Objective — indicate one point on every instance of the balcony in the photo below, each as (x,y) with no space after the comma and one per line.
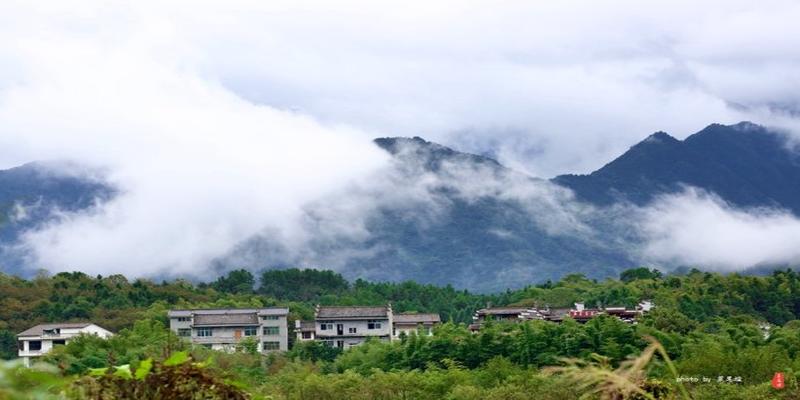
(30,353)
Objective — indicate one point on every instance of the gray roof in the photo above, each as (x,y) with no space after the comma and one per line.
(502,310)
(307,326)
(409,318)
(352,312)
(237,319)
(217,311)
(38,330)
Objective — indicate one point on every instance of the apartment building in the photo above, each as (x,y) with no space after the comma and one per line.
(40,339)
(224,329)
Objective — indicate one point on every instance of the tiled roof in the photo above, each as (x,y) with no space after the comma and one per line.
(502,310)
(307,326)
(352,312)
(38,330)
(226,319)
(416,318)
(216,311)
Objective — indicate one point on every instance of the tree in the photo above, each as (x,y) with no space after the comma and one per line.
(630,275)
(237,281)
(301,285)
(8,345)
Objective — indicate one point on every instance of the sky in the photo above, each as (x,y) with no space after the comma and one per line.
(221,120)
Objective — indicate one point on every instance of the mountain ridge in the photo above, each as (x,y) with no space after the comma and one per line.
(745,164)
(486,233)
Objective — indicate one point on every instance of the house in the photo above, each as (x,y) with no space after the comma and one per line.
(504,314)
(224,329)
(40,339)
(578,313)
(349,326)
(345,327)
(514,314)
(304,330)
(582,314)
(408,323)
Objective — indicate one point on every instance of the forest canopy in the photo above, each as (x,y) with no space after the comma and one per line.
(710,325)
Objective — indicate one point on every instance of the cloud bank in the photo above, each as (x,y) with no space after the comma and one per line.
(700,230)
(199,168)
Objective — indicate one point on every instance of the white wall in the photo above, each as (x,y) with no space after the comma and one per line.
(360,325)
(224,338)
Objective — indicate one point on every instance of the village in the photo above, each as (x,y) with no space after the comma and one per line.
(341,327)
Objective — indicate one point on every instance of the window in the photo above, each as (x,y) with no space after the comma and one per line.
(60,342)
(351,330)
(208,345)
(34,345)
(270,317)
(306,335)
(271,330)
(21,345)
(272,345)
(184,319)
(204,332)
(250,331)
(373,324)
(184,332)
(325,327)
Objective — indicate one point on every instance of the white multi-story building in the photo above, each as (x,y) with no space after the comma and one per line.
(344,327)
(406,324)
(223,329)
(40,339)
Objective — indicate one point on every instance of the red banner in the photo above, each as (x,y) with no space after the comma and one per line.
(777,380)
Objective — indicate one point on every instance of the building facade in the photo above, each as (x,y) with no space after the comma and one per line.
(412,323)
(305,330)
(40,339)
(345,327)
(579,313)
(507,314)
(224,329)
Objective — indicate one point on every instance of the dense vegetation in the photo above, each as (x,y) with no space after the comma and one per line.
(710,326)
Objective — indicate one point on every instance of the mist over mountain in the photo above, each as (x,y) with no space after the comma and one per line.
(34,193)
(438,215)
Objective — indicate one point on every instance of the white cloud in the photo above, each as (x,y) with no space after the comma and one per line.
(199,168)
(697,229)
(222,121)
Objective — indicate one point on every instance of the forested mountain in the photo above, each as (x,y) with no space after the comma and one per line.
(437,215)
(745,164)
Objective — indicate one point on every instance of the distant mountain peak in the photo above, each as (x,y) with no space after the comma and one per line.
(747,126)
(430,153)
(659,137)
(744,163)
